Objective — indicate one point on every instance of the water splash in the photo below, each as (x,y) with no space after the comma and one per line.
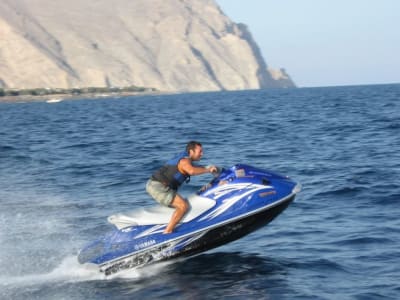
(69,270)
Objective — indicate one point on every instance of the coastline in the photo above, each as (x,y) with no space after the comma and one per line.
(54,98)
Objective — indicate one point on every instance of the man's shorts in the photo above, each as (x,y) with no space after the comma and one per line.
(161,193)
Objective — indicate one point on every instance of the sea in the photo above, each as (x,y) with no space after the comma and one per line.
(65,166)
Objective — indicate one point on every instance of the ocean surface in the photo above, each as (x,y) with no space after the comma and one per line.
(66,166)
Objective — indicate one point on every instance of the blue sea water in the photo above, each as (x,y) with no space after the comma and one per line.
(64,167)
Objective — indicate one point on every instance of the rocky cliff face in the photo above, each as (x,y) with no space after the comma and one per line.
(170,45)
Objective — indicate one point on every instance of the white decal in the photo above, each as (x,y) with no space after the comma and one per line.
(248,189)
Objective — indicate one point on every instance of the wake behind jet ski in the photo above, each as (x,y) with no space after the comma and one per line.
(238,201)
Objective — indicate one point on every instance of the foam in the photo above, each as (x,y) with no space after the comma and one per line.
(70,271)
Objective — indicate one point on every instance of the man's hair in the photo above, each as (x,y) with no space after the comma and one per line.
(192,145)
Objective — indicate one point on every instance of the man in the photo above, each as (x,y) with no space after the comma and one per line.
(164,183)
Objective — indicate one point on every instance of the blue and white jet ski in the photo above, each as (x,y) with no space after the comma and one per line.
(238,201)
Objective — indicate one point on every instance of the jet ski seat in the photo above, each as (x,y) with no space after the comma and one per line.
(160,214)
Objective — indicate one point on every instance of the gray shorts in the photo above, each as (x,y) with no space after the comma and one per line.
(161,193)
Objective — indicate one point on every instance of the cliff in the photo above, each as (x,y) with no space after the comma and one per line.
(174,45)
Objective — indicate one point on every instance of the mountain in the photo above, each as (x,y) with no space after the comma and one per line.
(170,45)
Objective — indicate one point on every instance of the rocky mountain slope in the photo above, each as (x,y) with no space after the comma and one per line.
(170,45)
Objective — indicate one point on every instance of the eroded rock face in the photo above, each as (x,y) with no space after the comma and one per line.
(170,45)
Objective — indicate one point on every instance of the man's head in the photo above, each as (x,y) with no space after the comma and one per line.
(195,150)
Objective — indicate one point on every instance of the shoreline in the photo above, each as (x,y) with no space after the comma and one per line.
(54,98)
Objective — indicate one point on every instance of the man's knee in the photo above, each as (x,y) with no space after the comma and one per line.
(185,206)
(181,204)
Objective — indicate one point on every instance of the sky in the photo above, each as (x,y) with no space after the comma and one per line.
(325,42)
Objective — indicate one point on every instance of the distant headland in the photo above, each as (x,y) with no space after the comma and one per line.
(172,46)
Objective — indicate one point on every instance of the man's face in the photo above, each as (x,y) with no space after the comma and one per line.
(196,153)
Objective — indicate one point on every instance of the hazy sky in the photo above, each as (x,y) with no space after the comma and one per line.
(325,42)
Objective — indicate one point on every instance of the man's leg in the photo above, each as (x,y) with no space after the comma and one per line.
(181,207)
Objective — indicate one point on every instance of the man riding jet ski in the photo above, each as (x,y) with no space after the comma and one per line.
(164,183)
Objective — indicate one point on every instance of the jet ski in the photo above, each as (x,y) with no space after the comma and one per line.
(236,202)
